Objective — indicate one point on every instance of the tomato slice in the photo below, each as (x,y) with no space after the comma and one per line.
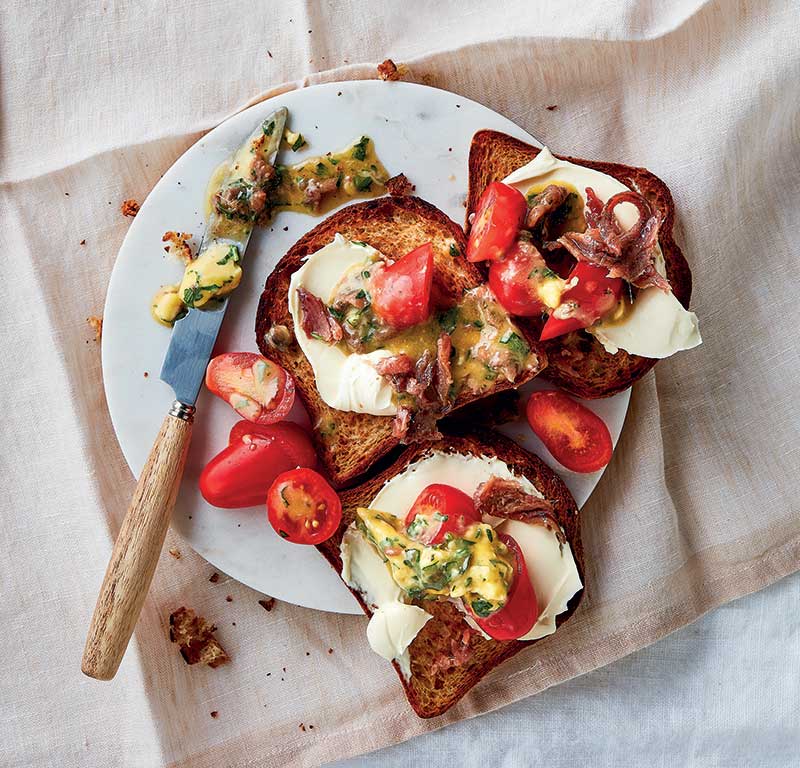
(401,293)
(519,614)
(241,474)
(577,437)
(256,388)
(515,279)
(497,221)
(438,510)
(594,295)
(303,508)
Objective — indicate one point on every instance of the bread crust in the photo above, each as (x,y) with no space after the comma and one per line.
(431,694)
(578,362)
(348,444)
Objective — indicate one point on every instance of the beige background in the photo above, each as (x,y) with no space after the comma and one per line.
(699,505)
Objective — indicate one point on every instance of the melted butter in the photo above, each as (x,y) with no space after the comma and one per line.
(216,272)
(167,305)
(573,219)
(214,183)
(356,169)
(476,566)
(620,313)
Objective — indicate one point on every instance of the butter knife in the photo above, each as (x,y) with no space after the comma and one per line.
(141,537)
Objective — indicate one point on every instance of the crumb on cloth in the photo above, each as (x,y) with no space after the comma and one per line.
(552,108)
(268,603)
(97,326)
(195,637)
(175,552)
(388,70)
(214,577)
(129,207)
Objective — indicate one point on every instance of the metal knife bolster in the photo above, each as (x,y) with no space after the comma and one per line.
(194,335)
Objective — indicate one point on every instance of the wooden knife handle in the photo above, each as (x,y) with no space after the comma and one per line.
(138,547)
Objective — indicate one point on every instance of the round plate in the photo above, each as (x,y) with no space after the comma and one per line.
(420,131)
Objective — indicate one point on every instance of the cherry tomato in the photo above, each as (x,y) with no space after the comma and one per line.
(519,614)
(241,474)
(594,295)
(438,510)
(577,437)
(256,388)
(516,278)
(497,221)
(401,293)
(303,508)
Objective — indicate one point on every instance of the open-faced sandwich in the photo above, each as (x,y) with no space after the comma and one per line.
(462,552)
(583,251)
(386,327)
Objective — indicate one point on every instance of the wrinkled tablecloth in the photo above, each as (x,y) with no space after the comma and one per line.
(699,506)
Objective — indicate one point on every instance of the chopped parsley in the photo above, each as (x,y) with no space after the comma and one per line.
(191,295)
(482,608)
(363,182)
(454,252)
(360,149)
(298,142)
(231,255)
(545,273)
(321,170)
(448,320)
(515,343)
(268,127)
(440,517)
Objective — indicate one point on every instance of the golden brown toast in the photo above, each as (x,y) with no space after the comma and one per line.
(349,443)
(429,692)
(578,362)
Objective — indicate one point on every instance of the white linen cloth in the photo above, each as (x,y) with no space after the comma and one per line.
(699,505)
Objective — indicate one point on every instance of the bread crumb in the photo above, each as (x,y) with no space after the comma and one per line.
(146,374)
(175,552)
(214,577)
(399,186)
(129,207)
(302,727)
(178,245)
(388,70)
(215,714)
(228,598)
(97,326)
(195,637)
(330,650)
(269,53)
(552,107)
(268,603)
(83,242)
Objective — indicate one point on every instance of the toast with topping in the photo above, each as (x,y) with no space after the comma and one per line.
(349,443)
(577,361)
(449,656)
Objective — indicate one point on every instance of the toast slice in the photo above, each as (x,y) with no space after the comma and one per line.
(431,692)
(349,443)
(577,361)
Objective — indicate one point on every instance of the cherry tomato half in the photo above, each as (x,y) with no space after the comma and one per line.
(594,295)
(577,437)
(256,388)
(303,508)
(515,279)
(401,293)
(438,510)
(241,474)
(497,221)
(519,614)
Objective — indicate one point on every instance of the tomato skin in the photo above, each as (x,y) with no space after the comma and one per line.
(511,282)
(519,614)
(596,295)
(258,389)
(240,475)
(302,508)
(442,500)
(401,293)
(497,221)
(577,437)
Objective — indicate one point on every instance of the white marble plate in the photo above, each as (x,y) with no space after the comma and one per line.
(420,131)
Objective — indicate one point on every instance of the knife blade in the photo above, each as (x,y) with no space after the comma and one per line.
(141,537)
(194,335)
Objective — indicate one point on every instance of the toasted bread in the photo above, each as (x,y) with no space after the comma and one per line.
(577,361)
(432,692)
(349,443)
